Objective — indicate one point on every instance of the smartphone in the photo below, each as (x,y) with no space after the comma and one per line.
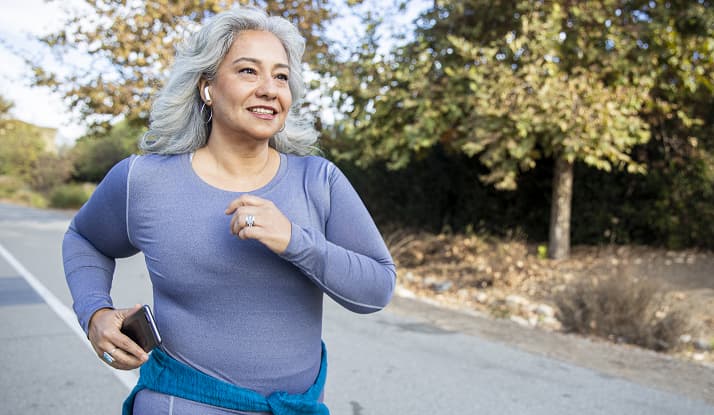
(141,327)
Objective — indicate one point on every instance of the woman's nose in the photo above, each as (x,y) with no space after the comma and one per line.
(267,88)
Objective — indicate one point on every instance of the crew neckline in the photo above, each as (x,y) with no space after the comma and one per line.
(282,169)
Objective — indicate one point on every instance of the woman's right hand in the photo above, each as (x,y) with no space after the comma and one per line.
(105,335)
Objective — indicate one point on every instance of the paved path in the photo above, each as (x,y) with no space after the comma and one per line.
(410,359)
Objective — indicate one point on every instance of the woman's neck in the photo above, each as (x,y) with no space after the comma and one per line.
(236,167)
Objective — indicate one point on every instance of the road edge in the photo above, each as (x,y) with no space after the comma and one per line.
(641,366)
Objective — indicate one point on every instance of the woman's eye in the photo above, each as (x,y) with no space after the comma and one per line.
(250,71)
(282,77)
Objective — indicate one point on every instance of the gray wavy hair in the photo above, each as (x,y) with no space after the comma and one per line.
(177,123)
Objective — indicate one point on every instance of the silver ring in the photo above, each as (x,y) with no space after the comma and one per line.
(108,357)
(250,221)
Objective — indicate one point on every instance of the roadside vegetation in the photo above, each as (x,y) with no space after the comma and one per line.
(649,297)
(34,172)
(625,310)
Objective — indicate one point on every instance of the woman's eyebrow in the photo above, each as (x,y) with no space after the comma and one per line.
(258,62)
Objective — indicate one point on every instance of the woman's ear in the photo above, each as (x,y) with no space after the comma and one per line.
(204,90)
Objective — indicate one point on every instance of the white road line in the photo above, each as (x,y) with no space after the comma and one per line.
(128,379)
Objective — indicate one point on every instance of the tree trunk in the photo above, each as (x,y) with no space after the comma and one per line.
(559,243)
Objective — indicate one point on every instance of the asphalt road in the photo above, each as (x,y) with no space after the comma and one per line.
(411,358)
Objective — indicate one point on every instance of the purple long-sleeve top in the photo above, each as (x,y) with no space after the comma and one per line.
(230,307)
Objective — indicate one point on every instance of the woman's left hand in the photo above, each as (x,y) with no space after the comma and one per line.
(269,225)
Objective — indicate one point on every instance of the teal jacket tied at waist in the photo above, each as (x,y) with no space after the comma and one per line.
(164,374)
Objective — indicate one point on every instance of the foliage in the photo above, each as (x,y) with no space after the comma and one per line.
(132,44)
(28,197)
(9,186)
(50,170)
(516,84)
(671,207)
(442,192)
(70,196)
(506,90)
(27,154)
(93,155)
(21,145)
(29,163)
(537,105)
(31,198)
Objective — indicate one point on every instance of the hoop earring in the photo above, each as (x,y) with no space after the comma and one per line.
(210,114)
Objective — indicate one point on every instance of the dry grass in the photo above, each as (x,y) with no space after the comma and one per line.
(623,310)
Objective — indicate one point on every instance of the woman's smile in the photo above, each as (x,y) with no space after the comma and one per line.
(263,112)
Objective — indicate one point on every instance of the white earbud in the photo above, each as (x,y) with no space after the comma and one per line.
(206,93)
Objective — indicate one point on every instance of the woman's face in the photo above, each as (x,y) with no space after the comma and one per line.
(250,96)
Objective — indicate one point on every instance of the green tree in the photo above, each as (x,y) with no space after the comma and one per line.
(680,51)
(94,154)
(21,148)
(27,155)
(131,46)
(513,83)
(50,171)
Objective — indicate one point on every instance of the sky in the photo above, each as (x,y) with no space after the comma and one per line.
(21,22)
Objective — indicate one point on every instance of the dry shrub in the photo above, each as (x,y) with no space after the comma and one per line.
(622,309)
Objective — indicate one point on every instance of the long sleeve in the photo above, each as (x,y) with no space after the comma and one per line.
(350,261)
(96,236)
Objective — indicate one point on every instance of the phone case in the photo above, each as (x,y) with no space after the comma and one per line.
(141,328)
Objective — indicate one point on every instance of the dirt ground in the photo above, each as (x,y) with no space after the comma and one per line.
(509,279)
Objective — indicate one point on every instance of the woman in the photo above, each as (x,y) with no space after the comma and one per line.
(242,233)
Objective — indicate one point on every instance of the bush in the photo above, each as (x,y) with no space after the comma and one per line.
(623,310)
(30,198)
(50,171)
(94,154)
(9,186)
(70,196)
(16,190)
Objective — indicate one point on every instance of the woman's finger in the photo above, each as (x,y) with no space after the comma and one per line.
(130,348)
(251,232)
(260,219)
(110,344)
(126,360)
(126,344)
(244,200)
(243,217)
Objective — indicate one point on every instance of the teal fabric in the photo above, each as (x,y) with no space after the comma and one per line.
(164,374)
